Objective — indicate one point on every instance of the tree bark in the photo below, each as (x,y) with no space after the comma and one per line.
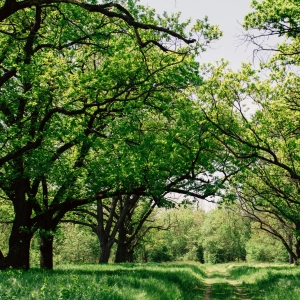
(21,233)
(46,251)
(19,249)
(1,256)
(125,248)
(121,254)
(290,243)
(105,250)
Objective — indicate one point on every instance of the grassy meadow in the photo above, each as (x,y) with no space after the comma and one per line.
(153,281)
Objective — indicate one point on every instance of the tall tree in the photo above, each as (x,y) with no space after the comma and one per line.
(268,139)
(62,83)
(269,136)
(155,154)
(117,220)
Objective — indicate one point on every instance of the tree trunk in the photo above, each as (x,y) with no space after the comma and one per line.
(46,251)
(3,262)
(105,246)
(130,253)
(124,250)
(21,233)
(297,244)
(121,254)
(19,249)
(1,256)
(290,242)
(105,252)
(297,251)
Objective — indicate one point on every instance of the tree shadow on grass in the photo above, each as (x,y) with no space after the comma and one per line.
(156,283)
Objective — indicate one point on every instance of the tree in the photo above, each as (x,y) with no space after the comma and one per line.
(180,238)
(54,109)
(269,136)
(271,201)
(119,220)
(133,229)
(267,139)
(224,236)
(264,247)
(155,154)
(274,18)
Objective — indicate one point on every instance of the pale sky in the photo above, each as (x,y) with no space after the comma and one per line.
(228,14)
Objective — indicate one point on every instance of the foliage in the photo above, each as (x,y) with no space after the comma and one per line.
(224,236)
(161,254)
(4,234)
(75,244)
(180,234)
(180,241)
(262,247)
(266,140)
(274,18)
(75,79)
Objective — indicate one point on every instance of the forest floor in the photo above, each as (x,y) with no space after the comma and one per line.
(154,281)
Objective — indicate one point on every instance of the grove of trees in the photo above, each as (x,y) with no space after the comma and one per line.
(105,112)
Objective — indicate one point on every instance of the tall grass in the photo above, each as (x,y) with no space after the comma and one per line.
(172,281)
(117,282)
(268,282)
(258,281)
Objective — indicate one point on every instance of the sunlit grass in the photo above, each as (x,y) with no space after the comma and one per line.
(269,282)
(128,281)
(153,282)
(259,281)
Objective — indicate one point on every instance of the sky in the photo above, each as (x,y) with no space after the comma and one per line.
(228,14)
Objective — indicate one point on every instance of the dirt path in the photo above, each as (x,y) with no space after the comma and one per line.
(235,292)
(219,285)
(207,293)
(243,295)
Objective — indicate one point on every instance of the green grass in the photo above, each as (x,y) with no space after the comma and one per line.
(224,290)
(258,281)
(132,281)
(172,281)
(268,282)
